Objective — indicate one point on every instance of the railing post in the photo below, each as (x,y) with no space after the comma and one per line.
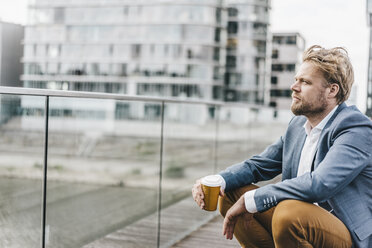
(217,114)
(45,168)
(160,172)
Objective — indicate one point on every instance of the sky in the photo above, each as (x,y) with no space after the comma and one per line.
(13,11)
(328,23)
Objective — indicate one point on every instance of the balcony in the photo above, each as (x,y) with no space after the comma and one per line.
(83,169)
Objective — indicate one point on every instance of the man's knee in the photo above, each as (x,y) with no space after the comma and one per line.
(286,212)
(287,217)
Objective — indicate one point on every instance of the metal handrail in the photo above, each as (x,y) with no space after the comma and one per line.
(120,97)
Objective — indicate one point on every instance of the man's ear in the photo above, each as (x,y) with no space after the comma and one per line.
(333,90)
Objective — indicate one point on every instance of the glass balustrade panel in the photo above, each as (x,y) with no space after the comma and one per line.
(21,169)
(103,173)
(189,154)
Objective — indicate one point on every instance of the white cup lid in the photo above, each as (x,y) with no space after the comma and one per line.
(212,181)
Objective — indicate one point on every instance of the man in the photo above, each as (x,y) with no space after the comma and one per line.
(325,197)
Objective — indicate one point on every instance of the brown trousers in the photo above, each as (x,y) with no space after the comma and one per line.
(290,224)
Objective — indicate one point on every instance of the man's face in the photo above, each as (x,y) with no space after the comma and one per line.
(309,94)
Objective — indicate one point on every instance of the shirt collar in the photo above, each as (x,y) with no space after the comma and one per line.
(321,124)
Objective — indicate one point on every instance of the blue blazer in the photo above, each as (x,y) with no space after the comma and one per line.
(341,178)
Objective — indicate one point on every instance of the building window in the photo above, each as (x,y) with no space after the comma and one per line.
(274,80)
(218,15)
(216,72)
(152,111)
(136,51)
(287,93)
(231,44)
(277,67)
(232,27)
(260,28)
(217,92)
(59,15)
(189,54)
(231,96)
(233,12)
(108,87)
(283,67)
(122,111)
(231,61)
(280,93)
(291,40)
(275,54)
(216,54)
(274,93)
(277,40)
(260,45)
(217,34)
(35,69)
(290,67)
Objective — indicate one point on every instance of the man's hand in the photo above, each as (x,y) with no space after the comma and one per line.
(198,194)
(232,216)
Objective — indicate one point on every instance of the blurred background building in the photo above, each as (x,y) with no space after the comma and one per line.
(156,48)
(369,77)
(287,49)
(11,50)
(152,47)
(247,65)
(143,48)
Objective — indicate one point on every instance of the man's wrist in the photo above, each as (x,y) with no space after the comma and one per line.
(249,202)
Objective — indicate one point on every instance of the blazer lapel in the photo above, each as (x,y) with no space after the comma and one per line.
(297,152)
(328,124)
(323,133)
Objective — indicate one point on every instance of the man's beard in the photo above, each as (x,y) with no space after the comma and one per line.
(309,109)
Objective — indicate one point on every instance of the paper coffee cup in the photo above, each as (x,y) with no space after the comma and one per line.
(211,187)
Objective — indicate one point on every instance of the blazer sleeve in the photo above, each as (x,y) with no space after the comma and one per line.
(259,168)
(349,154)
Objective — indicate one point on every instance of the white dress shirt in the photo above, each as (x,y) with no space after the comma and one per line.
(306,159)
(311,144)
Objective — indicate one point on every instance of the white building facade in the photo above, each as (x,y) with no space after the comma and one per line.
(247,61)
(156,48)
(189,49)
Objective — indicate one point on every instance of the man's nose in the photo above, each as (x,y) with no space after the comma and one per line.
(295,86)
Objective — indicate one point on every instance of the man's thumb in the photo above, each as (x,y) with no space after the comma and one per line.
(222,193)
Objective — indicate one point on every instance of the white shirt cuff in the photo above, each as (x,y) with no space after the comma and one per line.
(249,202)
(223,182)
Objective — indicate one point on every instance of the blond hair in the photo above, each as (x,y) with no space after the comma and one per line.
(336,67)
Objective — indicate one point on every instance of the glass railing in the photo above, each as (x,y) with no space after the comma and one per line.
(22,153)
(103,170)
